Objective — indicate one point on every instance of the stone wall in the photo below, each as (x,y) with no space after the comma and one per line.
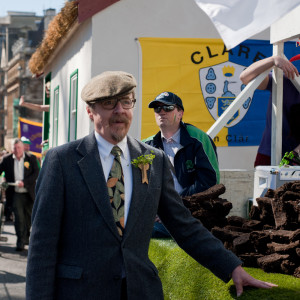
(239,188)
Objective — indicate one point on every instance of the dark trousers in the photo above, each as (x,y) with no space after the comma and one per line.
(8,209)
(124,290)
(262,160)
(22,207)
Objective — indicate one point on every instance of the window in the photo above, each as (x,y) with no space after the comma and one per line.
(55,116)
(73,106)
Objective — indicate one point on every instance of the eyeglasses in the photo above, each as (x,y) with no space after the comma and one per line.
(110,104)
(166,108)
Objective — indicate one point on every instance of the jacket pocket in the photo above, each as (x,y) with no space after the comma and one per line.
(66,271)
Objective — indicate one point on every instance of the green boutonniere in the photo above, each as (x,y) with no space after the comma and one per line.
(143,162)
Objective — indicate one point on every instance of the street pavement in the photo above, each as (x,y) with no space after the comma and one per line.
(12,266)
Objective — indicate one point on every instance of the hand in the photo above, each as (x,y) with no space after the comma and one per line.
(157,219)
(22,101)
(241,278)
(286,66)
(20,183)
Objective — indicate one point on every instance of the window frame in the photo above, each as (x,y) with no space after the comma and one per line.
(46,114)
(55,121)
(73,105)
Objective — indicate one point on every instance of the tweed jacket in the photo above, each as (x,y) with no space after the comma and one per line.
(75,250)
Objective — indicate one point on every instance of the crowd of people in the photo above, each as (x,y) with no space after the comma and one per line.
(94,212)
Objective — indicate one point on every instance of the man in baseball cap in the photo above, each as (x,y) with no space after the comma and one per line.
(26,142)
(192,153)
(94,213)
(167,98)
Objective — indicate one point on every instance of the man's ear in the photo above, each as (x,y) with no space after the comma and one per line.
(181,111)
(89,111)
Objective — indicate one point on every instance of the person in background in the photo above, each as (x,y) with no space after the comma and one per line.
(33,106)
(192,153)
(26,142)
(294,123)
(2,153)
(7,211)
(39,107)
(94,211)
(21,169)
(2,201)
(291,96)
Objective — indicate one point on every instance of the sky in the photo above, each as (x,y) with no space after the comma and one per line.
(37,6)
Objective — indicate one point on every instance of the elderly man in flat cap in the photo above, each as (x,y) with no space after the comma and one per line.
(95,210)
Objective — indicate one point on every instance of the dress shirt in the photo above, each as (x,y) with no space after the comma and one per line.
(171,147)
(107,159)
(19,173)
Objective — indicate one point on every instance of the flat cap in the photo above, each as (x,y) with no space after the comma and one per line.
(108,85)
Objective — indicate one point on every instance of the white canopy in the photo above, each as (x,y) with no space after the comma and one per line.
(286,28)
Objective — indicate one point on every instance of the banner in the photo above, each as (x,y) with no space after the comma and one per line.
(32,131)
(238,20)
(205,75)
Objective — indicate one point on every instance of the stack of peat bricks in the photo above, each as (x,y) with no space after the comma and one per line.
(269,239)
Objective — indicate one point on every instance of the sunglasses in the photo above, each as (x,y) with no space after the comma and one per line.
(166,108)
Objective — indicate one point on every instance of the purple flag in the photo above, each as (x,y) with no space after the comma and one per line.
(32,131)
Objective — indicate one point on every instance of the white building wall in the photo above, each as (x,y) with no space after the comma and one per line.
(115,47)
(75,55)
(108,41)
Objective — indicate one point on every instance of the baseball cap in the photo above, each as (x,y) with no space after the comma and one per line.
(167,98)
(25,140)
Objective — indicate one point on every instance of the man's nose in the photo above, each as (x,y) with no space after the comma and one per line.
(119,108)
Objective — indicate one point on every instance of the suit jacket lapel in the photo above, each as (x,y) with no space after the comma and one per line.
(91,169)
(26,166)
(139,189)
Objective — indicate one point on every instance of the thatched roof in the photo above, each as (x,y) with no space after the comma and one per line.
(57,30)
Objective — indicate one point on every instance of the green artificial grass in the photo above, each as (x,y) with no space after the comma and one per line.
(184,279)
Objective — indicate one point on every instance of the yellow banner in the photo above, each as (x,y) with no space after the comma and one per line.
(173,65)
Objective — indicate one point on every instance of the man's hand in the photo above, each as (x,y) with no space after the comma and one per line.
(20,183)
(286,66)
(241,278)
(157,219)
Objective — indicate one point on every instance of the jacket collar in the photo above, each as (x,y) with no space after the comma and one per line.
(91,169)
(23,156)
(185,138)
(92,172)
